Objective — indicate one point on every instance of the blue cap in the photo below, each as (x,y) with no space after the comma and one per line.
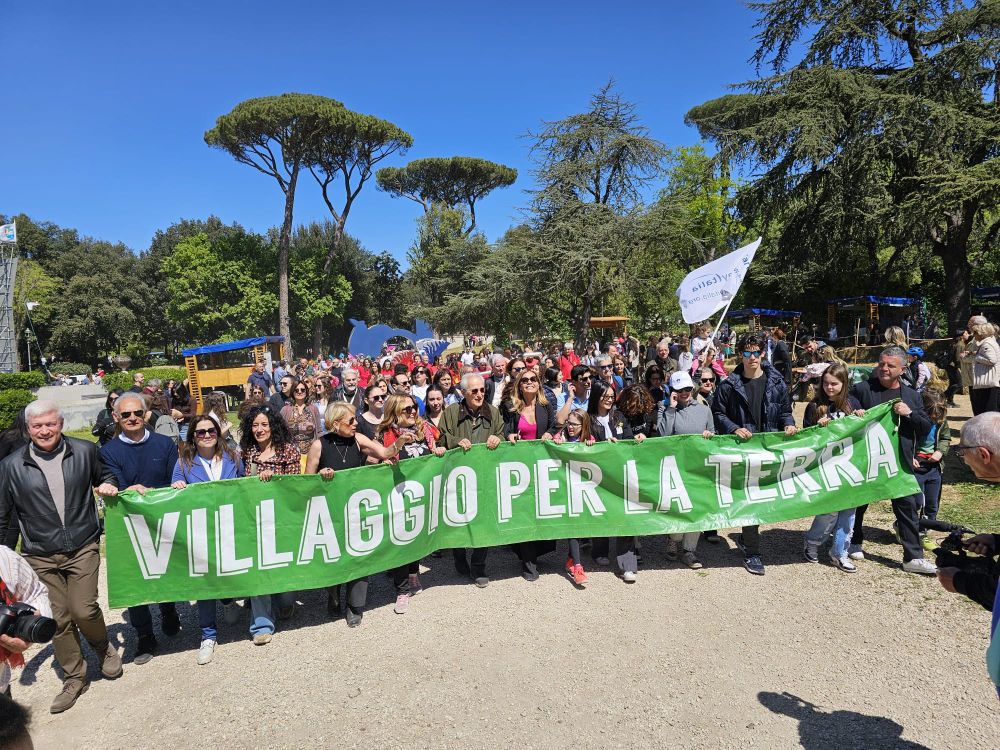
(915,351)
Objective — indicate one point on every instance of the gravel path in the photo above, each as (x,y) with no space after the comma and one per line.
(805,656)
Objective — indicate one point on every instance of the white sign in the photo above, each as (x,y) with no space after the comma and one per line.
(8,233)
(713,286)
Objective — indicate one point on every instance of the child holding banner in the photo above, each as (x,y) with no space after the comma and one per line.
(832,402)
(576,430)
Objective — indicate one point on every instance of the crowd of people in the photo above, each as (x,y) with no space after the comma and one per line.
(350,413)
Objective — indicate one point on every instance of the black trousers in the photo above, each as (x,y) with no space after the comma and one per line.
(478,566)
(401,576)
(907,512)
(984,399)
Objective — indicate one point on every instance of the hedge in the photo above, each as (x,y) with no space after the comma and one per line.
(123,380)
(11,403)
(22,381)
(69,368)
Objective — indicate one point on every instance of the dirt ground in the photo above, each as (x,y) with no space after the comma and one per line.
(806,656)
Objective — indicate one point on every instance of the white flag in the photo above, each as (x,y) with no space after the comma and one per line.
(8,233)
(712,286)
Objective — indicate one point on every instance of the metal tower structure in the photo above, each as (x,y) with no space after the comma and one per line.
(8,336)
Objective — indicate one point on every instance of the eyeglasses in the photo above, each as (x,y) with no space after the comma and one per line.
(959,450)
(584,378)
(475,390)
(137,413)
(574,424)
(210,432)
(529,380)
(516,370)
(301,390)
(402,382)
(409,410)
(708,380)
(748,354)
(685,390)
(379,397)
(607,367)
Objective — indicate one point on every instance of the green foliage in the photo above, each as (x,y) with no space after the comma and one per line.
(220,288)
(123,380)
(21,380)
(459,181)
(876,149)
(443,256)
(70,368)
(11,403)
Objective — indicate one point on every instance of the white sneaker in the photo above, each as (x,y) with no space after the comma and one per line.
(206,651)
(231,613)
(628,576)
(854,552)
(920,565)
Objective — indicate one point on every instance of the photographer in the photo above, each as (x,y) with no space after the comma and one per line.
(18,584)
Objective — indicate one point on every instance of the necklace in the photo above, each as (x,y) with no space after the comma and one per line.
(343,452)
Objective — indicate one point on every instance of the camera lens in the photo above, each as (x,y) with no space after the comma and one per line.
(34,628)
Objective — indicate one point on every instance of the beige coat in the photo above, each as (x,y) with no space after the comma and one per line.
(985,363)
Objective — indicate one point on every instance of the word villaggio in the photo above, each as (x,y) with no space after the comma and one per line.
(454,500)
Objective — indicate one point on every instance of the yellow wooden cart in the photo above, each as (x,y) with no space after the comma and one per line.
(226,367)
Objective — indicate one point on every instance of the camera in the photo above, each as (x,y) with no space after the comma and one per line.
(19,620)
(951,554)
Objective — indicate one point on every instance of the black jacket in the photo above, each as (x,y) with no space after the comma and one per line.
(23,486)
(912,429)
(620,427)
(545,419)
(731,406)
(781,361)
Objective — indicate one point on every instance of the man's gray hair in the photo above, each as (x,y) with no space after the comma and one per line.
(155,383)
(978,320)
(895,351)
(348,371)
(470,376)
(41,407)
(983,431)
(127,396)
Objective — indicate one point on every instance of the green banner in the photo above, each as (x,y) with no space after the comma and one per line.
(242,537)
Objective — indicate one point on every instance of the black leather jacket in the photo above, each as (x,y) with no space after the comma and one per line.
(23,486)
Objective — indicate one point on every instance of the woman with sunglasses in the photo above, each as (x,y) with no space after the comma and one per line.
(403,430)
(302,418)
(267,449)
(371,417)
(444,380)
(205,457)
(683,415)
(420,382)
(608,423)
(528,416)
(622,375)
(343,447)
(654,379)
(705,386)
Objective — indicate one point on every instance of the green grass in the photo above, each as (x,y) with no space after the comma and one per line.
(83,434)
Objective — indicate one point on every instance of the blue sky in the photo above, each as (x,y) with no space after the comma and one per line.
(107,103)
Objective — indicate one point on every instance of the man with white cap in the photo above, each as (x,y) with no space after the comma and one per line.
(682,415)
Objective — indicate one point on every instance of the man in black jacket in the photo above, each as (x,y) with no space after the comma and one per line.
(753,399)
(886,384)
(50,483)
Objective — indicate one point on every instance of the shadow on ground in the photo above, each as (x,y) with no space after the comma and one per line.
(820,729)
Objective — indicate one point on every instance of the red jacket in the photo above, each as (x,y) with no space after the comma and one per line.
(567,362)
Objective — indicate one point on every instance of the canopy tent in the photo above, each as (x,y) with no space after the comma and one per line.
(230,346)
(617,324)
(754,314)
(986,293)
(870,303)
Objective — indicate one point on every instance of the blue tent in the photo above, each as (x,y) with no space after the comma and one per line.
(986,292)
(230,346)
(739,314)
(891,301)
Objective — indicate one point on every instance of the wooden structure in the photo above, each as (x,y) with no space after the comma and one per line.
(869,304)
(227,366)
(753,316)
(618,325)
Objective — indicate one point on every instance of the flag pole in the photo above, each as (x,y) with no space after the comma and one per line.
(724,313)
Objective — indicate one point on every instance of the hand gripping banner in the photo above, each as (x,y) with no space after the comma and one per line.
(243,537)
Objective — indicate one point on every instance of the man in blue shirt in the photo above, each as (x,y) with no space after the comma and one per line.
(260,378)
(141,459)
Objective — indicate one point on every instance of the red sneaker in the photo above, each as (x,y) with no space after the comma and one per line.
(569,566)
(579,576)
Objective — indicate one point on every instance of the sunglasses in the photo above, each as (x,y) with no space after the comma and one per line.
(607,367)
(708,380)
(476,390)
(584,378)
(685,390)
(959,450)
(402,382)
(529,380)
(516,370)
(210,432)
(378,398)
(301,390)
(137,413)
(409,410)
(748,355)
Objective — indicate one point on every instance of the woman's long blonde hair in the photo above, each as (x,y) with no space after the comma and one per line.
(394,406)
(515,395)
(895,335)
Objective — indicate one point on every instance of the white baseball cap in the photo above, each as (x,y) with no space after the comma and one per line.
(680,380)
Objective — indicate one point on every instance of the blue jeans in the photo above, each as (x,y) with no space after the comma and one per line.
(842,524)
(262,611)
(206,619)
(930,487)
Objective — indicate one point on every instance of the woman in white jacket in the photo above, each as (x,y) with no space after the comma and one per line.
(984,351)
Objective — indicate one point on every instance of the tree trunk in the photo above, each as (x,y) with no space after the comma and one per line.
(338,235)
(583,324)
(953,249)
(284,241)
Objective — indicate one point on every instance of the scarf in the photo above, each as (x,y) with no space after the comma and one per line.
(14,660)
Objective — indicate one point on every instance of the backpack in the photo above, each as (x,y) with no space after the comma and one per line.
(166,425)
